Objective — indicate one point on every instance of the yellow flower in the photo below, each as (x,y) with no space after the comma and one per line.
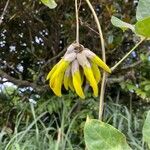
(71,69)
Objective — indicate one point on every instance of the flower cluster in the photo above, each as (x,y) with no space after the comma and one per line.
(77,64)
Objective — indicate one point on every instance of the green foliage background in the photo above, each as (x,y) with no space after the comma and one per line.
(32,40)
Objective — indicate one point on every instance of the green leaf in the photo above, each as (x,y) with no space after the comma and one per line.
(143,9)
(121,24)
(143,27)
(146,129)
(49,3)
(147,88)
(102,136)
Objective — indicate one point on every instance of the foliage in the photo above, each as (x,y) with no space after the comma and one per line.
(142,9)
(68,118)
(121,24)
(142,26)
(32,40)
(100,135)
(50,3)
(146,129)
(140,86)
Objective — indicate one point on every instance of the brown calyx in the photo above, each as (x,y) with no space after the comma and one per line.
(79,48)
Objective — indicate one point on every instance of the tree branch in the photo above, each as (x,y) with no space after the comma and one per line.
(20,83)
(41,88)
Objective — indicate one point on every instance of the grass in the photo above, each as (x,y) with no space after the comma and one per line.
(63,129)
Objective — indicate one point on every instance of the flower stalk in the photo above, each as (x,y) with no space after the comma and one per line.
(115,66)
(77,21)
(104,76)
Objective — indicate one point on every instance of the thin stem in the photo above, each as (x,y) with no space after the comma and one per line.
(77,21)
(102,92)
(99,30)
(115,66)
(4,12)
(58,139)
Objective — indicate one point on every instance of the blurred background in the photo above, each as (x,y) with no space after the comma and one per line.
(33,38)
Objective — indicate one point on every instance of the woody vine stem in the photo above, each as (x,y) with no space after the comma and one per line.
(104,77)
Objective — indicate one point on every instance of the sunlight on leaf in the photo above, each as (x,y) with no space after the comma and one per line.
(102,136)
(146,129)
(121,24)
(49,3)
(143,27)
(143,9)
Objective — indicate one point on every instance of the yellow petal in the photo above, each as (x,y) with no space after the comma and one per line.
(83,61)
(96,72)
(52,71)
(101,64)
(66,77)
(90,77)
(76,77)
(71,84)
(56,87)
(95,59)
(60,70)
(66,82)
(77,84)
(82,76)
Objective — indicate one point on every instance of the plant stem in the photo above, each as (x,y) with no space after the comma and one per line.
(4,12)
(58,139)
(115,66)
(99,30)
(77,21)
(102,92)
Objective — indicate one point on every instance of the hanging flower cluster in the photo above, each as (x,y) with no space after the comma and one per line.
(77,64)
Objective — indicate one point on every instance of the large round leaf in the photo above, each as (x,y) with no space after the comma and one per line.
(143,9)
(143,27)
(102,136)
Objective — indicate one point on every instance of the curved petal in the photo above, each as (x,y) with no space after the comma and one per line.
(82,76)
(67,77)
(95,59)
(52,70)
(71,48)
(56,87)
(96,72)
(70,57)
(83,61)
(76,77)
(64,63)
(90,77)
(71,84)
(60,70)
